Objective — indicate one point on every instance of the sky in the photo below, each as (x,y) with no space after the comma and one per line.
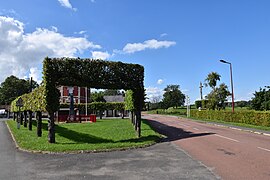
(177,41)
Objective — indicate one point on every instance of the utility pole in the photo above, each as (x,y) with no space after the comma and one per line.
(188,105)
(201,86)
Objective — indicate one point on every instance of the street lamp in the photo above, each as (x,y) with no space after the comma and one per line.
(223,61)
(71,105)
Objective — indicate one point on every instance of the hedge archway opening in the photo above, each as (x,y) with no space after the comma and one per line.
(94,74)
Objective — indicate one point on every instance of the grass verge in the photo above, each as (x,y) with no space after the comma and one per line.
(104,135)
(265,128)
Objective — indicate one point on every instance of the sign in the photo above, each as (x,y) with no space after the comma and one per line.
(19,102)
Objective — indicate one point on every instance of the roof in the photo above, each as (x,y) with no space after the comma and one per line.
(116,98)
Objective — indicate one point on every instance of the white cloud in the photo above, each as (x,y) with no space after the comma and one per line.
(154,93)
(100,55)
(149,44)
(67,4)
(160,81)
(55,29)
(19,52)
(82,32)
(35,74)
(163,34)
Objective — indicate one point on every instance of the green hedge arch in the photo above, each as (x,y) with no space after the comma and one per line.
(91,73)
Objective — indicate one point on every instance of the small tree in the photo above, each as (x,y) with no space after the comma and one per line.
(173,97)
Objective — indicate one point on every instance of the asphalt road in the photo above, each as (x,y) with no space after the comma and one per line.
(230,153)
(161,161)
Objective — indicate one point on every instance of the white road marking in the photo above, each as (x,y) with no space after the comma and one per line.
(196,129)
(184,125)
(264,149)
(226,138)
(266,134)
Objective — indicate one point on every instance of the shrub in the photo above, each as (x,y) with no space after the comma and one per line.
(247,117)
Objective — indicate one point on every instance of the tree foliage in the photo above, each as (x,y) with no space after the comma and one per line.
(173,97)
(218,96)
(13,87)
(97,97)
(261,100)
(211,79)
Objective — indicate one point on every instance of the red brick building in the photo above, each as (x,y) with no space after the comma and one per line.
(79,94)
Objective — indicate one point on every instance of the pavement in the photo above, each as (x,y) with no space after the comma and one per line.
(232,153)
(164,160)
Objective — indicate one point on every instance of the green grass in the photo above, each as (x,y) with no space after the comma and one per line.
(103,135)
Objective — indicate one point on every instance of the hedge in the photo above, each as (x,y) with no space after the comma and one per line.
(34,101)
(91,73)
(84,73)
(98,106)
(247,117)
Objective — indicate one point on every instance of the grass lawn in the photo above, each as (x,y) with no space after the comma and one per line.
(103,135)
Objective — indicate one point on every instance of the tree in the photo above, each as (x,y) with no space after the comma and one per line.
(261,100)
(13,87)
(222,94)
(218,96)
(97,97)
(211,79)
(173,97)
(242,104)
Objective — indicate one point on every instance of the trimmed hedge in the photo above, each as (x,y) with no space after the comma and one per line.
(129,101)
(85,72)
(98,106)
(91,73)
(34,101)
(247,117)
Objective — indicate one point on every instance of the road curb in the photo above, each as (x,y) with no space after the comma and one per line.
(74,152)
(239,129)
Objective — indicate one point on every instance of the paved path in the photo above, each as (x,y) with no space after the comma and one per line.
(162,161)
(231,153)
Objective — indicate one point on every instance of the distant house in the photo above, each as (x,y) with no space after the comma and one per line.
(116,98)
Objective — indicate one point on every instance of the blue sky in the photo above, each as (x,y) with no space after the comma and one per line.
(177,41)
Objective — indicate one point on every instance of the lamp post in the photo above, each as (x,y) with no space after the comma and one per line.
(223,61)
(71,105)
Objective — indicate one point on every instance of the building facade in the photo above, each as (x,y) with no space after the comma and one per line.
(80,94)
